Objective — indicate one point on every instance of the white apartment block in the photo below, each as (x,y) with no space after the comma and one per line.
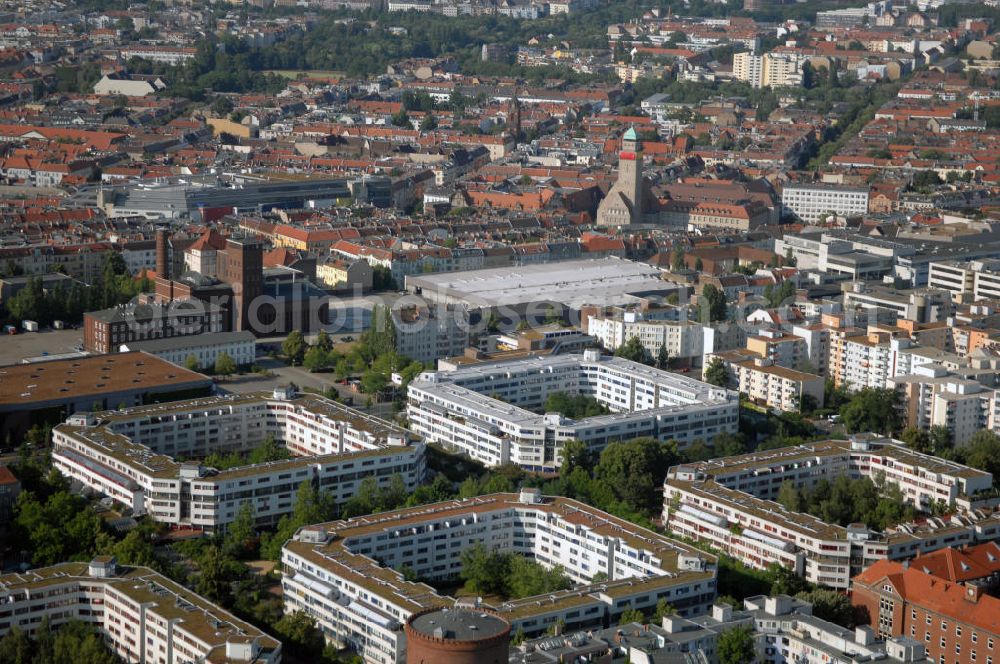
(865,362)
(770,70)
(428,333)
(142,615)
(682,339)
(171,55)
(923,305)
(205,348)
(767,383)
(729,503)
(934,397)
(485,411)
(345,574)
(810,202)
(128,455)
(978,279)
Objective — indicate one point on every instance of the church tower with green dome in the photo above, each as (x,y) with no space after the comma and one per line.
(624,203)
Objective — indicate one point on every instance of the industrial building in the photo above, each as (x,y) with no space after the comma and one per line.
(525,292)
(487,411)
(50,391)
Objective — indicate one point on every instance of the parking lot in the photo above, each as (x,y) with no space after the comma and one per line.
(16,347)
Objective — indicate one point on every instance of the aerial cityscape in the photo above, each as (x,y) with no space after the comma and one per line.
(500,332)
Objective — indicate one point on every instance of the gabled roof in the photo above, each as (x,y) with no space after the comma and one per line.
(965,603)
(958,565)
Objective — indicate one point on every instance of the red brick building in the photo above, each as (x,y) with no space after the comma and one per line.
(957,623)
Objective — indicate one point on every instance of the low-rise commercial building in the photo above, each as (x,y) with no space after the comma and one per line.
(129,455)
(142,615)
(205,348)
(487,411)
(730,504)
(345,574)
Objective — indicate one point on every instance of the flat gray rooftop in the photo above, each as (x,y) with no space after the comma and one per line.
(459,624)
(571,283)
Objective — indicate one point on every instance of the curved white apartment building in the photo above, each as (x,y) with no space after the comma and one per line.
(142,615)
(345,573)
(730,503)
(130,455)
(485,411)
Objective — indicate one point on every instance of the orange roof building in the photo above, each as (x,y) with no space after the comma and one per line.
(956,622)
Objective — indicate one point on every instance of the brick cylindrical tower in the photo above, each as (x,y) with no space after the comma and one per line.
(162,255)
(457,636)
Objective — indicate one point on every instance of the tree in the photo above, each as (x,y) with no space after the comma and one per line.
(214,577)
(982,451)
(784,581)
(484,571)
(401,119)
(717,373)
(527,578)
(315,359)
(728,444)
(294,347)
(635,351)
(736,646)
(135,549)
(677,258)
(634,470)
(575,454)
(428,123)
(324,342)
(830,605)
(941,439)
(790,497)
(663,609)
(574,406)
(16,647)
(299,633)
(917,439)
(191,363)
(373,382)
(631,616)
(713,304)
(808,76)
(872,409)
(663,358)
(241,534)
(225,365)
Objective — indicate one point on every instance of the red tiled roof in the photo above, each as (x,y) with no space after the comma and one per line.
(966,603)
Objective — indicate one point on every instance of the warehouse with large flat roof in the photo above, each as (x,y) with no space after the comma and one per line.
(56,389)
(601,281)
